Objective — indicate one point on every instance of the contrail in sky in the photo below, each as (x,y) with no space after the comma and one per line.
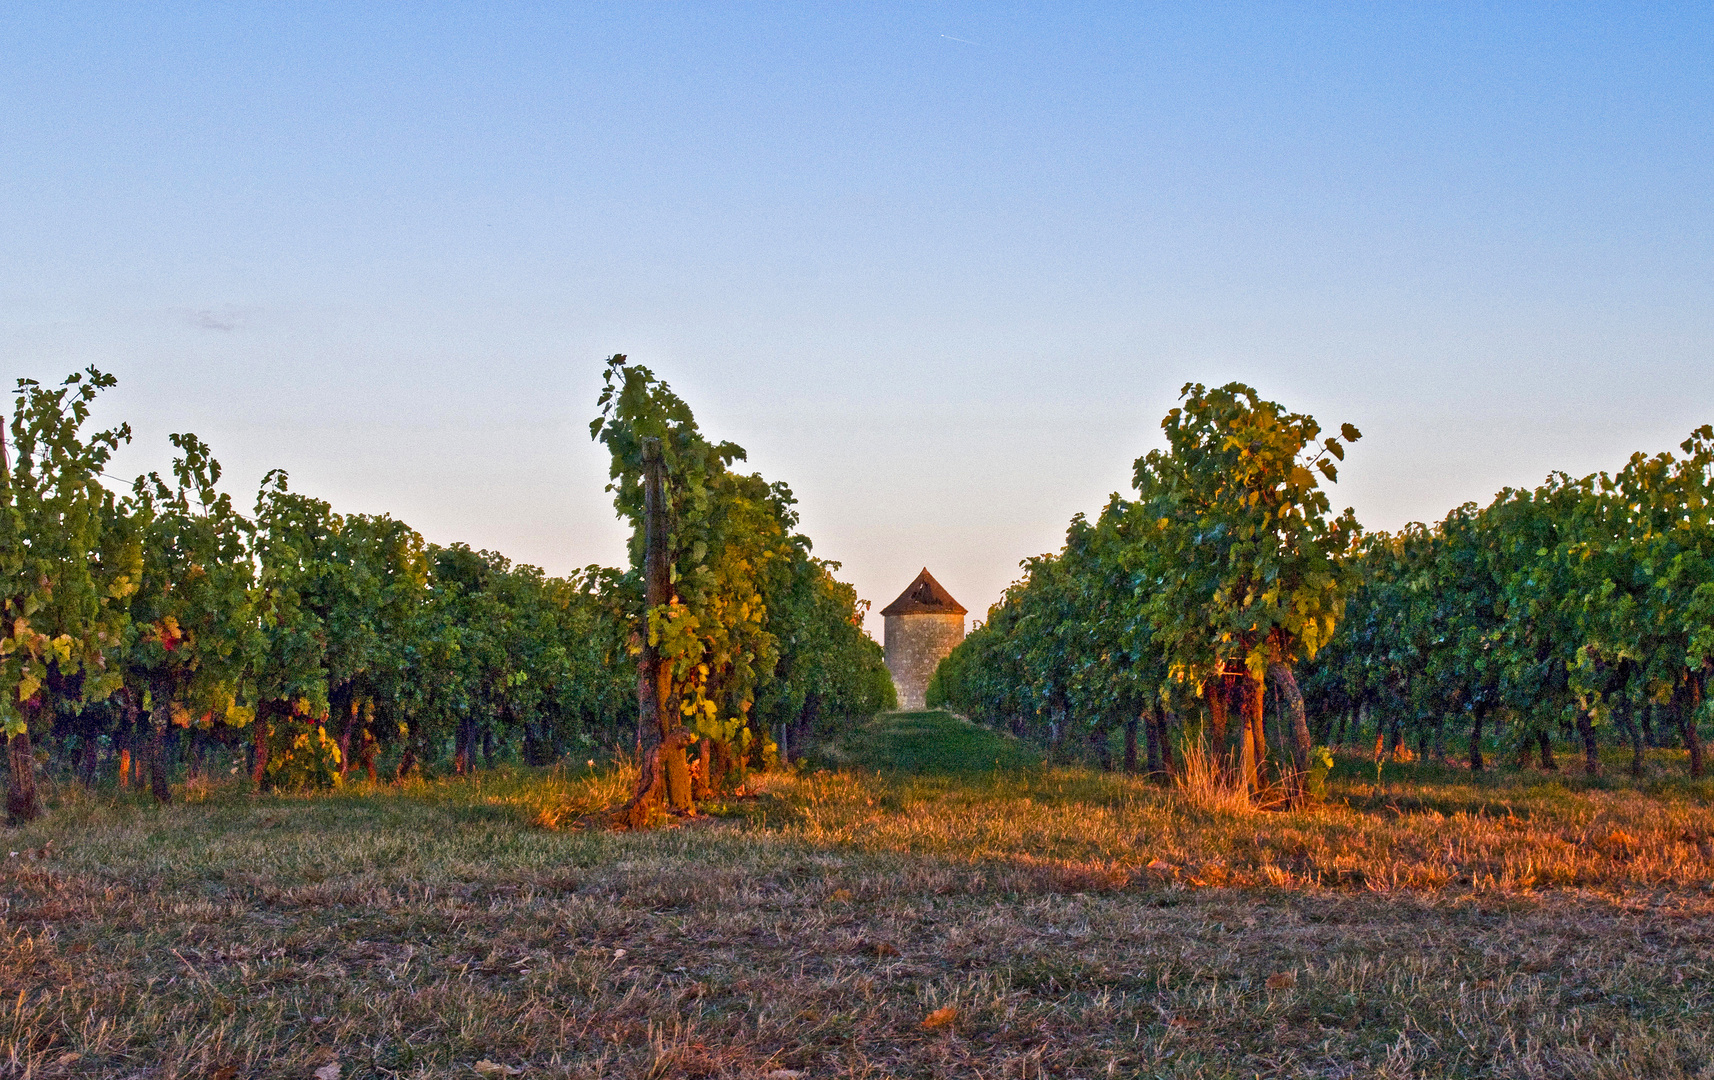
(949,37)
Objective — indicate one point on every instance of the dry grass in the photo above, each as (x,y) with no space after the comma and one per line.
(1201,783)
(1017,924)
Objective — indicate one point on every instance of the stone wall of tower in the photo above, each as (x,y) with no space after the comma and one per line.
(915,645)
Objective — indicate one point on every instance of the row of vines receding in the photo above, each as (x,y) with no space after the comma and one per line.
(154,632)
(1225,625)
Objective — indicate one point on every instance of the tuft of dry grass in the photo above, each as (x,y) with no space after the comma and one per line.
(1202,783)
(854,923)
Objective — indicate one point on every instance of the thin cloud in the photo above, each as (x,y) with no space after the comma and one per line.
(225,321)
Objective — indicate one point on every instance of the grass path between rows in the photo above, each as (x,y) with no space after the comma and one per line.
(933,901)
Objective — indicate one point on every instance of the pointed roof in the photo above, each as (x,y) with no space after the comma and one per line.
(924,597)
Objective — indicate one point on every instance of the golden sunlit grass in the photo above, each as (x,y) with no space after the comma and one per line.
(1201,783)
(942,921)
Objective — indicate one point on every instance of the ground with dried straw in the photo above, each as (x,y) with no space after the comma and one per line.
(929,903)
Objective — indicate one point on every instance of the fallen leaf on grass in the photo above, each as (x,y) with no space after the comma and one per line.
(940,1018)
(68,1057)
(1280,980)
(494,1068)
(1183,1023)
(330,1071)
(884,949)
(838,896)
(784,1074)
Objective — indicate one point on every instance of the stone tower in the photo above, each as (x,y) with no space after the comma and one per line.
(922,626)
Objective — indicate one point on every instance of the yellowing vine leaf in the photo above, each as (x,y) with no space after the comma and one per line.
(940,1018)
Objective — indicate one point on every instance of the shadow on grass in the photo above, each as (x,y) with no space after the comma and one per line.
(924,743)
(1505,790)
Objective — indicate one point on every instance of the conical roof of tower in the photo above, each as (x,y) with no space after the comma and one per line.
(924,597)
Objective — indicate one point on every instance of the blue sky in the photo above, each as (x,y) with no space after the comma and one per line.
(941,267)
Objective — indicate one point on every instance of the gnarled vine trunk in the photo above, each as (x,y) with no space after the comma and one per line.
(88,760)
(1591,749)
(1214,695)
(1686,696)
(663,774)
(22,801)
(1251,704)
(158,763)
(259,746)
(346,705)
(1285,685)
(1163,723)
(1103,752)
